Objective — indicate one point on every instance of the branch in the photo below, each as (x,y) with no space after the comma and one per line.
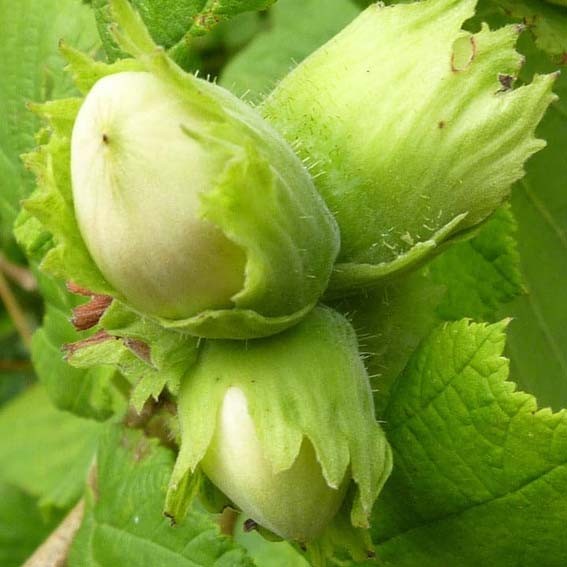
(15,365)
(15,311)
(22,276)
(54,550)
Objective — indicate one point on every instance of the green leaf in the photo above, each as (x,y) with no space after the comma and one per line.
(124,524)
(548,23)
(297,28)
(12,383)
(32,71)
(43,451)
(23,526)
(214,11)
(538,335)
(480,475)
(16,371)
(481,274)
(87,393)
(173,23)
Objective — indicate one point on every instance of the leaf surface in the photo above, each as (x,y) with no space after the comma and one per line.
(482,274)
(23,526)
(546,21)
(32,71)
(538,335)
(481,473)
(173,23)
(124,524)
(297,28)
(43,451)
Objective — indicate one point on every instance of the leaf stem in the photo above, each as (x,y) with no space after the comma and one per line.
(15,311)
(54,550)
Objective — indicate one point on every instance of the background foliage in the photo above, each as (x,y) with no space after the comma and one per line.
(480,475)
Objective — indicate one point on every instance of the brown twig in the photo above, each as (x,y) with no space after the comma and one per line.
(22,276)
(54,550)
(15,311)
(15,365)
